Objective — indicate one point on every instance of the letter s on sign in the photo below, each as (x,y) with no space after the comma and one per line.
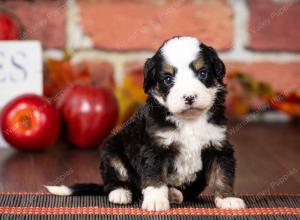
(17,61)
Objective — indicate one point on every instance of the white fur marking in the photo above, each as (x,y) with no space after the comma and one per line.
(155,198)
(180,51)
(186,84)
(230,203)
(59,190)
(160,100)
(193,136)
(120,196)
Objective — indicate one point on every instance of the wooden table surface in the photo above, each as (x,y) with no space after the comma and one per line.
(268,156)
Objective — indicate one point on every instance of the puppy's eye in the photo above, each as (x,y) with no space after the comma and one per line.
(203,74)
(168,80)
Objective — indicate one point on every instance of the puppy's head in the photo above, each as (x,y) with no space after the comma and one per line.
(184,76)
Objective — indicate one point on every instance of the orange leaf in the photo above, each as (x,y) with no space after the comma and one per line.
(289,104)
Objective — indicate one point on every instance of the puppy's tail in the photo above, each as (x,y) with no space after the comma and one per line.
(76,190)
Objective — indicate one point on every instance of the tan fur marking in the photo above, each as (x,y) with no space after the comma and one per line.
(117,164)
(218,183)
(198,63)
(169,69)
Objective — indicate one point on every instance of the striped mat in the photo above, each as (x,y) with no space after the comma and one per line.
(33,206)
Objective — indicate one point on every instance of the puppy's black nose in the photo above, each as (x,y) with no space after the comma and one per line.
(189,100)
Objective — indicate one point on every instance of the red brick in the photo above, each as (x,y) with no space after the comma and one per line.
(282,76)
(43,20)
(274,26)
(126,25)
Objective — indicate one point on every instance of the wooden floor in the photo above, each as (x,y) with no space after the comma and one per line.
(268,158)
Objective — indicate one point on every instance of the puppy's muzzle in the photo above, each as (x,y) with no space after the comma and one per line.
(189,100)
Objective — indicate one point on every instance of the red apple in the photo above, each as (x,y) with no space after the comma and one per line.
(10,28)
(30,122)
(89,113)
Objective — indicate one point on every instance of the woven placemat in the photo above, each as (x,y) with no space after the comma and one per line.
(34,206)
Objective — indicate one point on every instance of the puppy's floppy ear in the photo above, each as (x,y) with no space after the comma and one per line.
(149,74)
(216,62)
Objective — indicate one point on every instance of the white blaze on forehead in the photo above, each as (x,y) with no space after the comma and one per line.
(181,51)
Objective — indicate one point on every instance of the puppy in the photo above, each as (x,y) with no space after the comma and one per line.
(175,145)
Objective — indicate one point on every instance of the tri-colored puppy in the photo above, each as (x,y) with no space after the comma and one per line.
(177,143)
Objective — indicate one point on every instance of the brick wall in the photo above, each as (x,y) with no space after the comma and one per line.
(259,37)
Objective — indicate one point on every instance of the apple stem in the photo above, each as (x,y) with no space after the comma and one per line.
(26,122)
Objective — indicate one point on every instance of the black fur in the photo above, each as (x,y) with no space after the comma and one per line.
(146,161)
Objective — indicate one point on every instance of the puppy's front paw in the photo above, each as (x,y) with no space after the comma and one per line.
(120,196)
(156,204)
(156,198)
(175,196)
(230,203)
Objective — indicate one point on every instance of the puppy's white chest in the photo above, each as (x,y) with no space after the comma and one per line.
(191,137)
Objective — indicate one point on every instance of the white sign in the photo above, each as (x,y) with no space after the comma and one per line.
(20,70)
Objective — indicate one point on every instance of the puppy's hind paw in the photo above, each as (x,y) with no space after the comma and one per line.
(175,196)
(230,203)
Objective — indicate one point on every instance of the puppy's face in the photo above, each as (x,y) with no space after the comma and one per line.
(184,76)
